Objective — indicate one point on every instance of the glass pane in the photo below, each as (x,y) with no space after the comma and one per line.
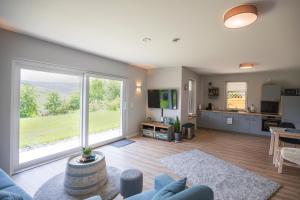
(236,95)
(191,97)
(104,109)
(49,114)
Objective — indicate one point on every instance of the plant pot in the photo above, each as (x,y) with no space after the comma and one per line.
(86,155)
(178,137)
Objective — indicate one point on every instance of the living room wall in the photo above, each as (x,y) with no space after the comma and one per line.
(174,78)
(164,78)
(187,75)
(17,46)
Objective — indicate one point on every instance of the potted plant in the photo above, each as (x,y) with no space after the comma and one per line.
(86,152)
(178,134)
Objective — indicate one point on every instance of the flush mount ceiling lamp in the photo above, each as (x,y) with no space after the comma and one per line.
(246,66)
(240,16)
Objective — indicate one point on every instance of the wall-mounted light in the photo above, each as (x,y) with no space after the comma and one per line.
(138,87)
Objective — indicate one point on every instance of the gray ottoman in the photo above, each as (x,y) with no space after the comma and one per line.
(131,182)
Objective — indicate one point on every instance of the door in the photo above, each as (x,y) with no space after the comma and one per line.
(48,114)
(56,111)
(105,114)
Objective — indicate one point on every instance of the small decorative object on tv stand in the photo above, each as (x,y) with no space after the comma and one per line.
(157,130)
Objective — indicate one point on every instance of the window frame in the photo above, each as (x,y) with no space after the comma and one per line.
(194,94)
(19,64)
(246,95)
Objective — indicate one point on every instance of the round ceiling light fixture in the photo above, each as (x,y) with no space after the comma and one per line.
(246,66)
(240,16)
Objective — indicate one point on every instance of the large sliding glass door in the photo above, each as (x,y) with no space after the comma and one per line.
(105,109)
(49,112)
(56,112)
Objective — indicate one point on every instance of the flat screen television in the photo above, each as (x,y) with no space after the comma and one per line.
(166,99)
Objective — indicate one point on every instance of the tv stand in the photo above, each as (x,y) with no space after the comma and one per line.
(157,130)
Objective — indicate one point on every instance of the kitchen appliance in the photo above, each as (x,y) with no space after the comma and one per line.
(269,107)
(209,107)
(291,92)
(290,108)
(270,121)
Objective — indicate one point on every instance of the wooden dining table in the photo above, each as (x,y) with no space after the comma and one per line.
(276,134)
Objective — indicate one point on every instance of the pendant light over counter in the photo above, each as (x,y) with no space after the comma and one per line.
(240,16)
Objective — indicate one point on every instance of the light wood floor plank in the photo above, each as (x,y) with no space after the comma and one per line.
(246,151)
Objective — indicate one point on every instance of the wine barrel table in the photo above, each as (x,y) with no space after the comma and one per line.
(85,178)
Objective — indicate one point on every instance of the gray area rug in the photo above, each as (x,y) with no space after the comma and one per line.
(228,181)
(53,189)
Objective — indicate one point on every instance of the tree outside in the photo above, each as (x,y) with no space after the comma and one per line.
(28,104)
(48,115)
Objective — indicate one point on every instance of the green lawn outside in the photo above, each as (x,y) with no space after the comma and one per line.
(47,129)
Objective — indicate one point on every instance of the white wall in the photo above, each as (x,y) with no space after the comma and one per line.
(287,79)
(174,78)
(186,76)
(16,46)
(164,78)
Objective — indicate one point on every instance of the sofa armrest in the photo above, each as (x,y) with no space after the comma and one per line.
(197,192)
(161,181)
(5,180)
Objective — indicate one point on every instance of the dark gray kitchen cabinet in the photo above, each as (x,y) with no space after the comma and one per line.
(250,124)
(227,117)
(205,119)
(216,120)
(271,92)
(241,122)
(255,125)
(244,123)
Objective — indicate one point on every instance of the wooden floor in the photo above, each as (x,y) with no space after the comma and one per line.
(247,151)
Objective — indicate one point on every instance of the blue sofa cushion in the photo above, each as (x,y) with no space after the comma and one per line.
(197,192)
(170,189)
(143,196)
(5,180)
(161,181)
(9,196)
(19,191)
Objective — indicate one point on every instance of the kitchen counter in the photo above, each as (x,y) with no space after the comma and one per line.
(233,121)
(241,112)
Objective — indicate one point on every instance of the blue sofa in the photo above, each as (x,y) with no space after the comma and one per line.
(8,185)
(197,192)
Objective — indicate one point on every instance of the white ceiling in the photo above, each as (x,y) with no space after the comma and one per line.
(115,29)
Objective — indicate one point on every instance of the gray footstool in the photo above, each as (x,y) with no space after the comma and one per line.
(131,182)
